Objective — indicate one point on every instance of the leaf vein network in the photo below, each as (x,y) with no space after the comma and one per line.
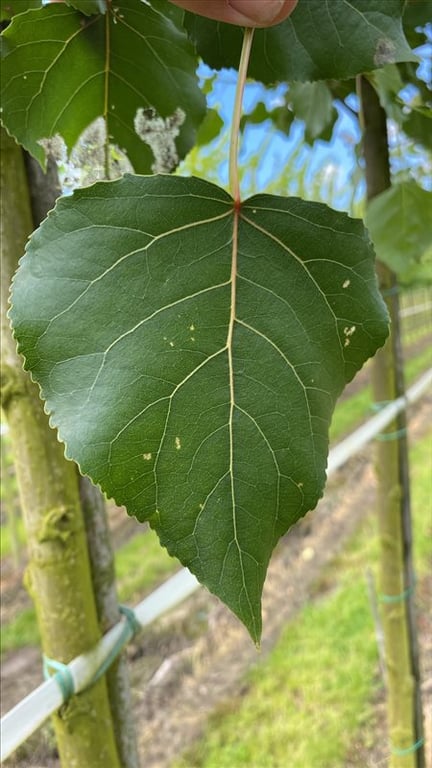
(145,320)
(333,23)
(288,363)
(202,443)
(156,56)
(51,65)
(363,16)
(69,101)
(308,273)
(170,398)
(209,495)
(141,249)
(266,440)
(278,297)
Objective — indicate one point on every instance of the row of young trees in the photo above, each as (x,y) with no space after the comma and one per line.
(189,344)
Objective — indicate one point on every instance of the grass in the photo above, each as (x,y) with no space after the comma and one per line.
(418,364)
(420,471)
(21,632)
(308,699)
(349,414)
(307,686)
(6,539)
(141,564)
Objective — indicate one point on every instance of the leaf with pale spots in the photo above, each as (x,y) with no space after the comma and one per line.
(190,353)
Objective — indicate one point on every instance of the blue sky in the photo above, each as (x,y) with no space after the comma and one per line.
(337,155)
(335,159)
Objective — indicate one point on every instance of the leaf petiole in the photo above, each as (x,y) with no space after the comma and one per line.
(235,125)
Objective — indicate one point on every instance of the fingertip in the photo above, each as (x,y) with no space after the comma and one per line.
(263,13)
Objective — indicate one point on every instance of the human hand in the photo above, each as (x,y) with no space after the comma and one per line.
(245,13)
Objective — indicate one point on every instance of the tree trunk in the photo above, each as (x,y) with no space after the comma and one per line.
(44,189)
(58,574)
(396,566)
(103,576)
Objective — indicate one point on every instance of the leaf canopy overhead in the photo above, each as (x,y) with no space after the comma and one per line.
(191,356)
(362,35)
(62,70)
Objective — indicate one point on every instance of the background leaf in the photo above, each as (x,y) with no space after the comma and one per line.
(281,117)
(418,126)
(361,34)
(310,102)
(313,103)
(414,114)
(192,372)
(89,7)
(400,223)
(388,83)
(417,14)
(59,74)
(418,275)
(210,127)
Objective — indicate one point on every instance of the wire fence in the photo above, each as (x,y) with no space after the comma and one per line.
(32,711)
(416,313)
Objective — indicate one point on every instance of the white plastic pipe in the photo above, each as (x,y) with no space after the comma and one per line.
(18,724)
(358,439)
(29,714)
(416,310)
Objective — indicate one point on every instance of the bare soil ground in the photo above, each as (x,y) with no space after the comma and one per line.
(195,658)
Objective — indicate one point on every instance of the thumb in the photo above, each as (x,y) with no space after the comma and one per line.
(245,13)
(263,12)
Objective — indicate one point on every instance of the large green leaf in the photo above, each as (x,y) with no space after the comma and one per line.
(400,223)
(62,70)
(320,40)
(9,8)
(418,274)
(191,356)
